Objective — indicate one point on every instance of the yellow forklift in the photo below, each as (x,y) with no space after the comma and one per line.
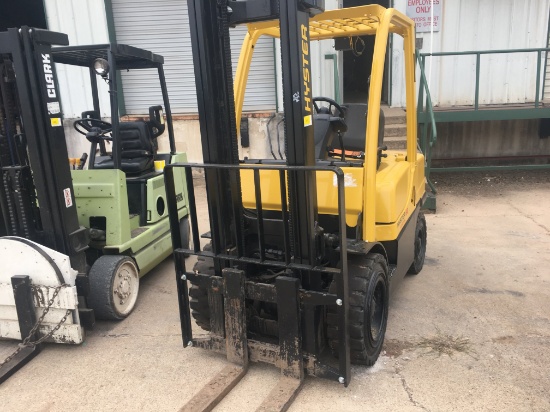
(304,250)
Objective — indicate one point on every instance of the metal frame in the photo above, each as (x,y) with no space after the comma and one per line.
(120,57)
(286,293)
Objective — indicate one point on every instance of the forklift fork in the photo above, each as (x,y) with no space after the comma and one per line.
(228,293)
(237,347)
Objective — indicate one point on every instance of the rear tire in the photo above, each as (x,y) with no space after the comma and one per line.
(198,296)
(368,309)
(420,242)
(114,287)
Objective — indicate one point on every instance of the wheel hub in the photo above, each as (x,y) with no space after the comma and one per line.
(123,287)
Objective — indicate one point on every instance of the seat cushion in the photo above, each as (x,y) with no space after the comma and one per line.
(356,119)
(137,146)
(136,136)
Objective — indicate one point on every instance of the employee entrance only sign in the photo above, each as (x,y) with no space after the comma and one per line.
(421,12)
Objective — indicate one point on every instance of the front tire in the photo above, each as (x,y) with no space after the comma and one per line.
(114,287)
(368,309)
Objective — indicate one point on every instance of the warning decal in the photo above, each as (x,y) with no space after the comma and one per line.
(54,108)
(67,196)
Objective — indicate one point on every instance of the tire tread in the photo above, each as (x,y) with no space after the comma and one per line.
(100,298)
(359,277)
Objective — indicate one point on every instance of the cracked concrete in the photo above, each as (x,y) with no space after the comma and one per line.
(408,390)
(486,278)
(531,218)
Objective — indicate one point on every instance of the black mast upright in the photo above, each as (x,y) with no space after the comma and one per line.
(215,98)
(42,130)
(298,109)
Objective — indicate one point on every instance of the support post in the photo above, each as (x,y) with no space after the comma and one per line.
(537,91)
(478,63)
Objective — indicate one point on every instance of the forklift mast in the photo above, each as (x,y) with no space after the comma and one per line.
(37,196)
(209,23)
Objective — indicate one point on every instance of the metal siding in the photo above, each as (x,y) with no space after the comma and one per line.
(480,25)
(163,27)
(84,23)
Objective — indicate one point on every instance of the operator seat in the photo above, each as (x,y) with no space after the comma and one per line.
(138,148)
(356,119)
(326,128)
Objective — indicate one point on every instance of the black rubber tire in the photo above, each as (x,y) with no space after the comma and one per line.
(198,297)
(420,243)
(185,231)
(101,296)
(368,285)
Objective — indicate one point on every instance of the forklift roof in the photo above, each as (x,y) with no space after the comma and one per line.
(126,57)
(353,21)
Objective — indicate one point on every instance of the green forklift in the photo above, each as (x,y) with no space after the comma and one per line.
(121,196)
(76,235)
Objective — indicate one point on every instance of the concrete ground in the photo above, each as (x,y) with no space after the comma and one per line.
(471,332)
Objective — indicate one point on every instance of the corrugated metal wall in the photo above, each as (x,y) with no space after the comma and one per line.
(85,23)
(480,25)
(162,26)
(467,25)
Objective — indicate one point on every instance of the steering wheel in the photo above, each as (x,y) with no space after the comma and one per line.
(88,124)
(331,102)
(93,129)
